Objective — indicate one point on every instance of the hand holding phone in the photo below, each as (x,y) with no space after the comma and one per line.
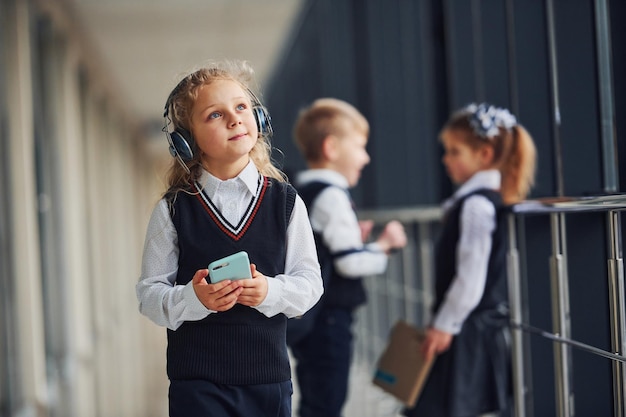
(233,267)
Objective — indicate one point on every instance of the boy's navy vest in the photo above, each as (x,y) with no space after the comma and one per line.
(338,290)
(495,294)
(240,346)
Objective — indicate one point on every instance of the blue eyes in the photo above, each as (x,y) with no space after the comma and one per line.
(216,115)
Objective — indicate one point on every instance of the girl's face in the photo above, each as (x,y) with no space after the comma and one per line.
(224,127)
(461,160)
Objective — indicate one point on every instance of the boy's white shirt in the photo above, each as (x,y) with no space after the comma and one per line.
(333,216)
(477,222)
(291,293)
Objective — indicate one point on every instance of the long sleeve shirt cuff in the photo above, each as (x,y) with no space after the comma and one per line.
(449,326)
(196,309)
(272,297)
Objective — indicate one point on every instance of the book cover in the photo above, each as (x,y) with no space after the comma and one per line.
(401,369)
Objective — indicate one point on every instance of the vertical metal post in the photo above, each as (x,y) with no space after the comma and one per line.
(428,269)
(554,83)
(377,336)
(605,84)
(511,55)
(515,303)
(409,273)
(616,308)
(477,38)
(561,317)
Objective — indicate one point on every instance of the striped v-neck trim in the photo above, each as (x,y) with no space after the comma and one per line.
(236,232)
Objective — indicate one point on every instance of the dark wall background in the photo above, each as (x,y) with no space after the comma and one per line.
(406,64)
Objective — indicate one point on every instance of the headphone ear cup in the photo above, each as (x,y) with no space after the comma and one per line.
(183,143)
(263,121)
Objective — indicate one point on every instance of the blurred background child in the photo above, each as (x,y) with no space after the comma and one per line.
(332,136)
(491,158)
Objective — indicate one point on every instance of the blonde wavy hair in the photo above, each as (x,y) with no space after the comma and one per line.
(179,110)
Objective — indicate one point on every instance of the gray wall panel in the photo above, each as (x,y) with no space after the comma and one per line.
(407,64)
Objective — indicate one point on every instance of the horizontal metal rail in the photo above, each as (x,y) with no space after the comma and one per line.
(571,204)
(406,289)
(557,208)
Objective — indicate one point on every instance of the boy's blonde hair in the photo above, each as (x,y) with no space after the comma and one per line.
(181,102)
(323,118)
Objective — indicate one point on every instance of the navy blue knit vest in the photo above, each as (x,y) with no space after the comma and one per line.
(495,293)
(240,346)
(339,291)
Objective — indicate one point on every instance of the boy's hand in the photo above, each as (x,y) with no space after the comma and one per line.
(254,289)
(217,297)
(436,342)
(392,236)
(366,229)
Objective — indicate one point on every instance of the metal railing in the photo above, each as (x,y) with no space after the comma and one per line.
(405,291)
(557,209)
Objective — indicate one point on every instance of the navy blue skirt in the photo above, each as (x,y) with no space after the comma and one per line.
(473,377)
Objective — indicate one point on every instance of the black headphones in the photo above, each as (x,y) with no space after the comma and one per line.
(181,141)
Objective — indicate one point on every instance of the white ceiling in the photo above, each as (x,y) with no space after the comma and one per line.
(149,44)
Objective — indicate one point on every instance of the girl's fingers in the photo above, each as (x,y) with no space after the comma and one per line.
(199,276)
(228,300)
(225,287)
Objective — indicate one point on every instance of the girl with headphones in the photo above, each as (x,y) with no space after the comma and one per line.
(226,353)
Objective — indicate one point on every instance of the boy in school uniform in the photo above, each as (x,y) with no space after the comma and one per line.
(332,136)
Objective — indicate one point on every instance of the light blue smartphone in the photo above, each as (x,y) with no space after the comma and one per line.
(235,266)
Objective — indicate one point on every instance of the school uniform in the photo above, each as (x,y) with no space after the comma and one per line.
(473,376)
(235,362)
(323,354)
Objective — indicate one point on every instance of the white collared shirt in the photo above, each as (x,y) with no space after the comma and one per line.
(167,304)
(333,215)
(477,222)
